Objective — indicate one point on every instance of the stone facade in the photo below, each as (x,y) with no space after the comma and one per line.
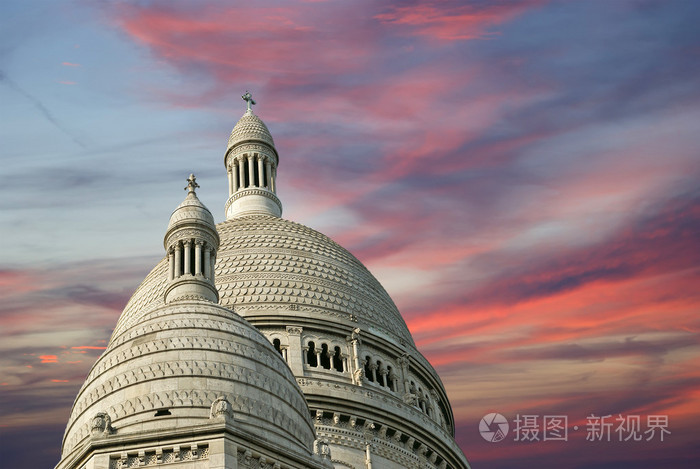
(288,353)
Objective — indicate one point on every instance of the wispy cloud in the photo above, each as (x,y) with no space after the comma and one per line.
(48,115)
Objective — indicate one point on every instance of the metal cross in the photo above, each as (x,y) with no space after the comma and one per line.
(191,184)
(248,98)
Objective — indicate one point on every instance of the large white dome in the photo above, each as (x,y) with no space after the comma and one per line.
(165,371)
(265,264)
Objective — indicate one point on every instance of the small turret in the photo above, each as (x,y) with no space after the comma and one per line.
(191,242)
(251,163)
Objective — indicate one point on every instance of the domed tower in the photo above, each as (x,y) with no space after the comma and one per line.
(251,162)
(372,395)
(186,382)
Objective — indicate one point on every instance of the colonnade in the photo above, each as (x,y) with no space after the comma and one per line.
(251,170)
(191,257)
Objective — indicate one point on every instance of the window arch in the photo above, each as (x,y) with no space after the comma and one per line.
(311,355)
(337,360)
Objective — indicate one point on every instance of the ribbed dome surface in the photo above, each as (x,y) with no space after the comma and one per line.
(249,127)
(182,357)
(266,264)
(191,210)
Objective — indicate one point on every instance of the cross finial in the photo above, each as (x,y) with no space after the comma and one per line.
(191,185)
(248,98)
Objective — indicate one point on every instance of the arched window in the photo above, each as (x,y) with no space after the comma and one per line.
(337,360)
(368,369)
(380,376)
(389,378)
(311,355)
(325,357)
(278,346)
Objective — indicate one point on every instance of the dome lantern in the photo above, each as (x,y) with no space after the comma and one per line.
(251,163)
(191,242)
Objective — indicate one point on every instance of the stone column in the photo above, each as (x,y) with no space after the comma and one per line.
(241,173)
(268,175)
(234,172)
(188,267)
(171,264)
(251,171)
(383,374)
(296,355)
(178,260)
(198,257)
(212,263)
(261,174)
(207,262)
(319,350)
(373,370)
(394,380)
(368,456)
(230,181)
(273,179)
(403,366)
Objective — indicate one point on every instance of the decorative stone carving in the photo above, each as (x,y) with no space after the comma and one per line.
(322,448)
(221,407)
(292,330)
(101,425)
(368,430)
(358,376)
(410,399)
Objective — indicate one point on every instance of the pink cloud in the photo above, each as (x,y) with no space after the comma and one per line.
(90,347)
(452,23)
(48,358)
(70,64)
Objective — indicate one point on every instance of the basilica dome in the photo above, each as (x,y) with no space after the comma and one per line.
(266,264)
(272,325)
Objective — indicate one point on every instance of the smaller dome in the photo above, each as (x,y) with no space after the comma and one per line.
(249,127)
(191,210)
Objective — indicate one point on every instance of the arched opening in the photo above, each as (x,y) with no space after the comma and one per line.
(278,346)
(368,369)
(380,376)
(311,355)
(325,357)
(337,360)
(244,172)
(256,176)
(192,257)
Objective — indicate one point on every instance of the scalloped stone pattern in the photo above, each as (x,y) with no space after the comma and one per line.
(265,261)
(181,357)
(250,127)
(191,209)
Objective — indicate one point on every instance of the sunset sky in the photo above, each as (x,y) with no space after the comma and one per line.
(522,177)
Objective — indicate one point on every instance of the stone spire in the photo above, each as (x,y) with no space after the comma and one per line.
(191,242)
(251,163)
